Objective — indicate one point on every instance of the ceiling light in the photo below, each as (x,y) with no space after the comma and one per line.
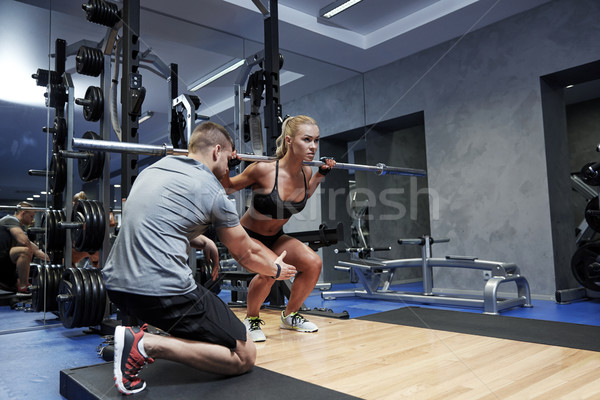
(569,86)
(146,115)
(36,196)
(213,76)
(337,7)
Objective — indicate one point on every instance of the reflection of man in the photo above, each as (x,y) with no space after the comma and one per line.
(16,250)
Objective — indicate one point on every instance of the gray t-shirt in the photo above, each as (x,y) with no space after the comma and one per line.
(171,202)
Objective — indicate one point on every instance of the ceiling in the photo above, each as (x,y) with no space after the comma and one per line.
(200,37)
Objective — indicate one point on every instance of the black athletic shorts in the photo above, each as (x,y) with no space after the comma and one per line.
(8,271)
(199,315)
(268,241)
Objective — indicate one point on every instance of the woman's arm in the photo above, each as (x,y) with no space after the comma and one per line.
(244,179)
(316,178)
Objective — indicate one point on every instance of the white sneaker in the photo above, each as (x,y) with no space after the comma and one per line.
(253,327)
(297,322)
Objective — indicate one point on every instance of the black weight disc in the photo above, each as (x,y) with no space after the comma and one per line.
(58,174)
(67,299)
(585,265)
(78,234)
(80,304)
(100,228)
(92,296)
(61,234)
(592,214)
(37,288)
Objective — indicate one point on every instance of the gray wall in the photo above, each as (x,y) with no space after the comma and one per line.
(484,132)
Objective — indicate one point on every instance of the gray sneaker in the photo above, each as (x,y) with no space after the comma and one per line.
(253,327)
(297,322)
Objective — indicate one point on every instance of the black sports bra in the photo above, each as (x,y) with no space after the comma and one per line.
(271,204)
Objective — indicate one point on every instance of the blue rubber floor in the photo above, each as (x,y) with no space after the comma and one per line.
(33,352)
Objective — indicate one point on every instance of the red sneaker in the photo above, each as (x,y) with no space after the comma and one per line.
(128,360)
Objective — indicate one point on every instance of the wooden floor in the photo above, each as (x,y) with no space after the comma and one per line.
(374,360)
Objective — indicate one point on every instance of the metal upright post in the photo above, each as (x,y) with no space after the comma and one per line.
(272,95)
(68,82)
(131,88)
(427,273)
(105,131)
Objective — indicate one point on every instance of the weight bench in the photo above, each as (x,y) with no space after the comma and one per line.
(376,275)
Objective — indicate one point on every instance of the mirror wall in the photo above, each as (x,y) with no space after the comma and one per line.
(30,29)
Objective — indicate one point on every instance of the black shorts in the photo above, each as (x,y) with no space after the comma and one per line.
(199,315)
(268,241)
(8,271)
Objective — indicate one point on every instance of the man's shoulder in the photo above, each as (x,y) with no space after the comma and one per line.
(9,220)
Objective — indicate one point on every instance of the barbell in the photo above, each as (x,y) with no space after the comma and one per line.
(164,150)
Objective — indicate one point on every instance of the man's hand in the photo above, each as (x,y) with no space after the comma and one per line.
(211,256)
(287,271)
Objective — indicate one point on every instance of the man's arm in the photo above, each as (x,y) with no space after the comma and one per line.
(254,256)
(211,253)
(22,240)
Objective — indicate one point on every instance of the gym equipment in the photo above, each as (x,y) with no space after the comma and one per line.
(376,276)
(163,150)
(88,224)
(592,214)
(101,12)
(89,165)
(43,77)
(57,175)
(89,61)
(45,280)
(55,236)
(81,297)
(590,174)
(59,133)
(93,104)
(56,97)
(585,265)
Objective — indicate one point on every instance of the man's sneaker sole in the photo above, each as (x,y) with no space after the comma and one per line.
(118,357)
(292,328)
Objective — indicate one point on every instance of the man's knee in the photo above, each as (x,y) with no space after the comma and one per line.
(246,351)
(20,252)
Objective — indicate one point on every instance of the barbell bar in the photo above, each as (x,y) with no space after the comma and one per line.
(21,208)
(164,150)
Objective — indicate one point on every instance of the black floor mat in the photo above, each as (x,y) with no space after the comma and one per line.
(584,337)
(169,380)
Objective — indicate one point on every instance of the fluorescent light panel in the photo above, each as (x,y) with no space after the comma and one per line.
(213,76)
(337,7)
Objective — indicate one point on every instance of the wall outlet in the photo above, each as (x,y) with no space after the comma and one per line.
(487,275)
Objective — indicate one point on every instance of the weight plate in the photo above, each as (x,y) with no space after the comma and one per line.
(100,228)
(58,174)
(91,296)
(37,288)
(585,265)
(80,314)
(78,234)
(67,299)
(591,217)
